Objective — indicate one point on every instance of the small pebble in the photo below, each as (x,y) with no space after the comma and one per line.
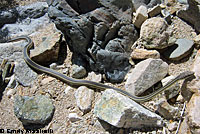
(73,117)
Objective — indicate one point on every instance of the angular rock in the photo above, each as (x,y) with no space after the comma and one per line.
(84,98)
(191,14)
(48,50)
(145,74)
(78,72)
(24,74)
(144,54)
(196,65)
(173,90)
(154,11)
(166,110)
(197,41)
(8,17)
(193,116)
(140,16)
(34,10)
(33,110)
(122,112)
(180,50)
(95,77)
(13,82)
(154,34)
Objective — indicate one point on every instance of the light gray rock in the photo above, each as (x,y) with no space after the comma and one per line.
(122,112)
(145,74)
(166,110)
(144,54)
(180,50)
(13,82)
(73,117)
(173,90)
(84,97)
(24,74)
(33,110)
(78,72)
(196,64)
(140,16)
(183,1)
(154,34)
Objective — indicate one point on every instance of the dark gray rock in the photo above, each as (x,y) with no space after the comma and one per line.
(33,110)
(8,16)
(34,10)
(191,14)
(93,28)
(181,49)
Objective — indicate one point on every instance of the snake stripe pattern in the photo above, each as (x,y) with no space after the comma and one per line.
(91,84)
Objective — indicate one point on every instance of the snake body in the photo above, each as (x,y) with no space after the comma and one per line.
(81,82)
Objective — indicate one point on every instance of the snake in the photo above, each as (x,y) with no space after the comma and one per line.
(91,84)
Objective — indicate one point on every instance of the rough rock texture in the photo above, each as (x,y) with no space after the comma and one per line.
(145,74)
(154,11)
(121,111)
(191,14)
(196,65)
(99,32)
(145,54)
(191,123)
(154,34)
(84,98)
(33,110)
(48,50)
(7,17)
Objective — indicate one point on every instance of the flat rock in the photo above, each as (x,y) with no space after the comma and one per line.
(33,110)
(154,11)
(144,54)
(48,50)
(180,50)
(145,74)
(84,97)
(24,74)
(140,16)
(122,112)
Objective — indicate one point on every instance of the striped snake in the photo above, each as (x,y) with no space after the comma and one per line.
(91,84)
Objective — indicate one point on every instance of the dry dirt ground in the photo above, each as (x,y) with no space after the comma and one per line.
(65,102)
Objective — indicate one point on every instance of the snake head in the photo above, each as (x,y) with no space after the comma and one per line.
(185,75)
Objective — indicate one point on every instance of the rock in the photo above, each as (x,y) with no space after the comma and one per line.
(154,11)
(144,54)
(180,50)
(73,117)
(172,126)
(183,1)
(34,10)
(191,14)
(11,92)
(140,16)
(197,41)
(184,128)
(122,112)
(173,90)
(12,83)
(154,34)
(95,77)
(8,17)
(145,74)
(166,110)
(104,29)
(84,98)
(47,80)
(33,110)
(167,16)
(138,3)
(78,71)
(48,50)
(67,90)
(154,3)
(193,116)
(196,64)
(24,75)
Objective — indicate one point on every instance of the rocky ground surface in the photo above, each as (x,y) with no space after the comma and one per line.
(162,42)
